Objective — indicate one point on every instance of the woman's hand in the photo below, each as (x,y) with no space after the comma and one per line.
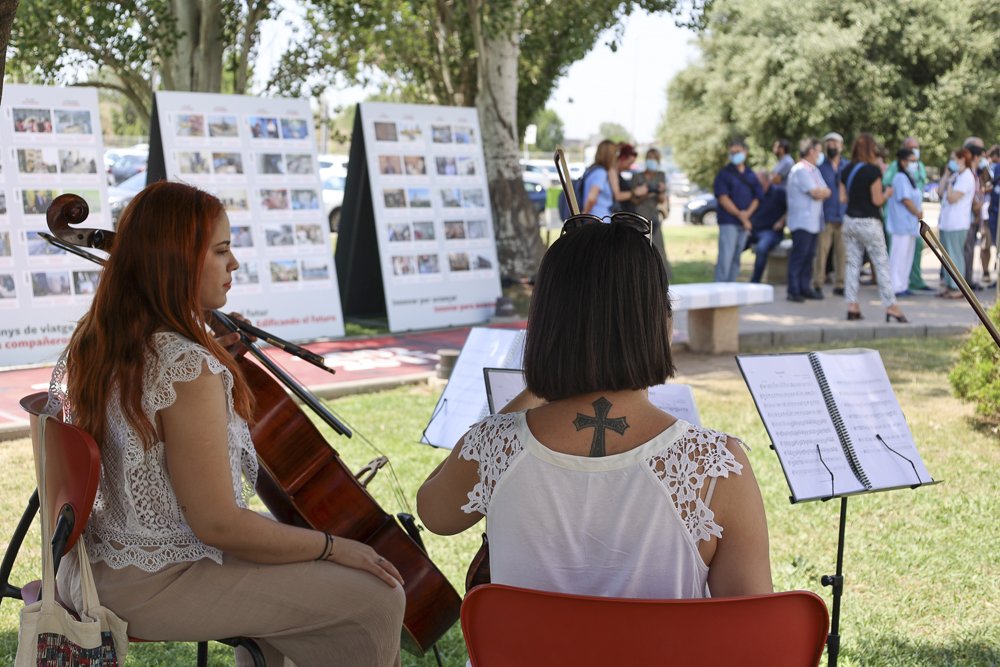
(231,340)
(360,556)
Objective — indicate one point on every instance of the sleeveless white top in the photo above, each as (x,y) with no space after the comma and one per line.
(624,525)
(136,518)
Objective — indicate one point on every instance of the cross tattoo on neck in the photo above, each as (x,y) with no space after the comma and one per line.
(602,407)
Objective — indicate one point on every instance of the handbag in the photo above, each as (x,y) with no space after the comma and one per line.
(49,635)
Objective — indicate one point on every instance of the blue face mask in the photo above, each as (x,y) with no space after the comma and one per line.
(911,169)
(916,153)
(820,160)
(652,165)
(953,165)
(738,158)
(983,163)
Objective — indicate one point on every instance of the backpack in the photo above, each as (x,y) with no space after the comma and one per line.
(577,184)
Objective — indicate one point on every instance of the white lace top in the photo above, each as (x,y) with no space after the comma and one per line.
(137,519)
(625,525)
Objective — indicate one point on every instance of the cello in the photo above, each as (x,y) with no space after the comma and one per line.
(302,480)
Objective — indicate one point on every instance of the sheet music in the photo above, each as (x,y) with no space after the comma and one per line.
(502,386)
(796,417)
(868,405)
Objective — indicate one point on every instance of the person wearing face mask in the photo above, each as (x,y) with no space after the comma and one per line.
(956,189)
(831,237)
(916,282)
(782,150)
(648,205)
(739,194)
(903,211)
(993,209)
(806,192)
(979,169)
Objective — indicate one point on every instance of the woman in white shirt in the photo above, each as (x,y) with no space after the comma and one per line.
(589,487)
(956,189)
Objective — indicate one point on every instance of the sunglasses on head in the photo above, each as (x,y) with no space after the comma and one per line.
(626,218)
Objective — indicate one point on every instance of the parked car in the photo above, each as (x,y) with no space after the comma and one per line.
(701,209)
(333,195)
(120,195)
(332,163)
(545,168)
(536,185)
(128,164)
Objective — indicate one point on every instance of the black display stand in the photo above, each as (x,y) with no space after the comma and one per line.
(156,167)
(359,268)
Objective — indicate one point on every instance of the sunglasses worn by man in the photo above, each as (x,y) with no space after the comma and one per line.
(626,218)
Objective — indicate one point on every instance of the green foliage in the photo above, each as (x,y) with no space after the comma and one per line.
(976,375)
(550,130)
(773,68)
(615,132)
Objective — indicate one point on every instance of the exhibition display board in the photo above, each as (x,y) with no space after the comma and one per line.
(51,144)
(417,241)
(259,157)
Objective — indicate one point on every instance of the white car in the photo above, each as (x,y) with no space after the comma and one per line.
(333,195)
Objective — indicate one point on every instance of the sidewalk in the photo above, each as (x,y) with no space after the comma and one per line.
(380,362)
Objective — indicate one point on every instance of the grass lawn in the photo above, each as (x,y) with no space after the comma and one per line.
(921,566)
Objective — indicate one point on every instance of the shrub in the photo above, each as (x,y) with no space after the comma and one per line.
(976,376)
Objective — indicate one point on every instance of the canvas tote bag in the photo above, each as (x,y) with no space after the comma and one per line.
(49,635)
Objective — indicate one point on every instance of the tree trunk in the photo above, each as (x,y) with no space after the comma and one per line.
(196,63)
(519,246)
(7,10)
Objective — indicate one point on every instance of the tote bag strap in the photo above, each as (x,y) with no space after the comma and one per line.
(850,177)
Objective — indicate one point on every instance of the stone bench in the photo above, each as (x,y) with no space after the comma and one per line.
(776,272)
(713,319)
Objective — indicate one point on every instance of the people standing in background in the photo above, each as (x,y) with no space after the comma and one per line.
(806,191)
(623,166)
(903,211)
(600,184)
(648,205)
(916,281)
(831,237)
(738,193)
(956,189)
(782,150)
(993,208)
(767,223)
(861,187)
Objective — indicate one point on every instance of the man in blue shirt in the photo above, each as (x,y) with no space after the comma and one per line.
(739,193)
(833,217)
(768,223)
(994,203)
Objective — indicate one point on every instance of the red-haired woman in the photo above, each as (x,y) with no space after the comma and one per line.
(861,189)
(175,550)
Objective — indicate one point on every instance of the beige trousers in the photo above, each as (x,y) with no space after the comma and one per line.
(314,614)
(831,235)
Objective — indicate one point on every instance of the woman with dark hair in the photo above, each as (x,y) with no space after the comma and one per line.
(956,189)
(176,551)
(902,220)
(861,189)
(588,486)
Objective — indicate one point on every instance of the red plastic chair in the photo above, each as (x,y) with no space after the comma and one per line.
(72,473)
(507,626)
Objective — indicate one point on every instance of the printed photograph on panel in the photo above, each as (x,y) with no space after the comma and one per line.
(39,247)
(32,120)
(446,166)
(451,197)
(193,162)
(454,230)
(4,244)
(403,265)
(50,283)
(414,165)
(310,234)
(274,200)
(395,198)
(423,231)
(235,199)
(37,160)
(389,165)
(299,163)
(190,125)
(315,269)
(477,229)
(428,264)
(464,134)
(242,236)
(466,166)
(278,235)
(73,121)
(223,126)
(385,132)
(270,163)
(441,134)
(7,287)
(411,131)
(305,200)
(36,202)
(473,198)
(419,197)
(294,128)
(264,127)
(458,261)
(3,204)
(247,273)
(480,263)
(75,161)
(227,163)
(284,271)
(85,282)
(399,231)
